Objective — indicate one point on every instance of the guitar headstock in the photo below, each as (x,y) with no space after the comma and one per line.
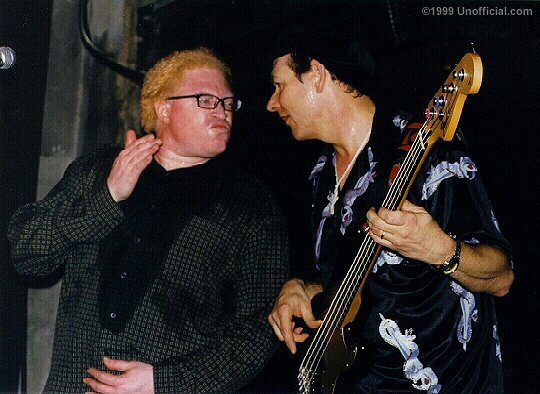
(444,109)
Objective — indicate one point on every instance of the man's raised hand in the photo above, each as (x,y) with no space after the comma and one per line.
(130,163)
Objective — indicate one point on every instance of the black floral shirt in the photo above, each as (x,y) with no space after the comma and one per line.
(431,334)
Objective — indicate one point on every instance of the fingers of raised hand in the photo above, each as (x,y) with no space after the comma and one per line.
(137,159)
(141,146)
(136,156)
(131,137)
(127,168)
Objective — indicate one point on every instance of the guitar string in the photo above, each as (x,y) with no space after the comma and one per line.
(417,148)
(415,158)
(397,189)
(450,102)
(347,300)
(312,363)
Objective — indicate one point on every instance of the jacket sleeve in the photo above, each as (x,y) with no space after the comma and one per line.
(79,209)
(247,341)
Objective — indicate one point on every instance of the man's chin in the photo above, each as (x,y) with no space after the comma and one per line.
(297,135)
(218,150)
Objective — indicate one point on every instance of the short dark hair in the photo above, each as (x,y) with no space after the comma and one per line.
(301,63)
(333,43)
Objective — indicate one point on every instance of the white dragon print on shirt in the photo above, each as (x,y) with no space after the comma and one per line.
(423,378)
(444,170)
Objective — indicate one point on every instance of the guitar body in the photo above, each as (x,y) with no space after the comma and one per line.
(346,355)
(338,358)
(347,359)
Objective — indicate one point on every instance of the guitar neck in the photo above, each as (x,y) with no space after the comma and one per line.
(349,291)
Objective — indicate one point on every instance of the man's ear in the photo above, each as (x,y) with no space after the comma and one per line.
(163,110)
(320,74)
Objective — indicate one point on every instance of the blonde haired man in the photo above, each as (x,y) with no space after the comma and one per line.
(171,257)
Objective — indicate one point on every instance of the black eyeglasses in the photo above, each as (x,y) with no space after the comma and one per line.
(209,101)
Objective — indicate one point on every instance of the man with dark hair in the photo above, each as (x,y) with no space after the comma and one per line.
(431,314)
(171,257)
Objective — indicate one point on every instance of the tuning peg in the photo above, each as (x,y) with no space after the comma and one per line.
(459,75)
(438,101)
(448,88)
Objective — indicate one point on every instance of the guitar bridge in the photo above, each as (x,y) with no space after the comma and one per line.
(306,380)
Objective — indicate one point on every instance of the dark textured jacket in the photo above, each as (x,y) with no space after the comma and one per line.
(233,249)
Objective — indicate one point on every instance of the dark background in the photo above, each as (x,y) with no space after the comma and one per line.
(414,54)
(25,26)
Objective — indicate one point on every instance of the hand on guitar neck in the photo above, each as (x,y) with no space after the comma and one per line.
(411,232)
(294,300)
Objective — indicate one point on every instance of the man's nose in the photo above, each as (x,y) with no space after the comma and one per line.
(219,110)
(273,103)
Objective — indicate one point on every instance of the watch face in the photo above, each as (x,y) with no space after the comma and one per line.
(451,265)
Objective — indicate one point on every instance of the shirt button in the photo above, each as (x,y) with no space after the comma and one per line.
(123,275)
(113,315)
(136,239)
(152,207)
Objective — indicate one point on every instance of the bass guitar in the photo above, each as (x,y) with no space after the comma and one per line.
(330,351)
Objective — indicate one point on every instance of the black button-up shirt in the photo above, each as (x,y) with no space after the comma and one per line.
(159,205)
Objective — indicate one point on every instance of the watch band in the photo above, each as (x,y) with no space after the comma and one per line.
(452,264)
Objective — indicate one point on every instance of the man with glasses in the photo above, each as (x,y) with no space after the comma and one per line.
(171,257)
